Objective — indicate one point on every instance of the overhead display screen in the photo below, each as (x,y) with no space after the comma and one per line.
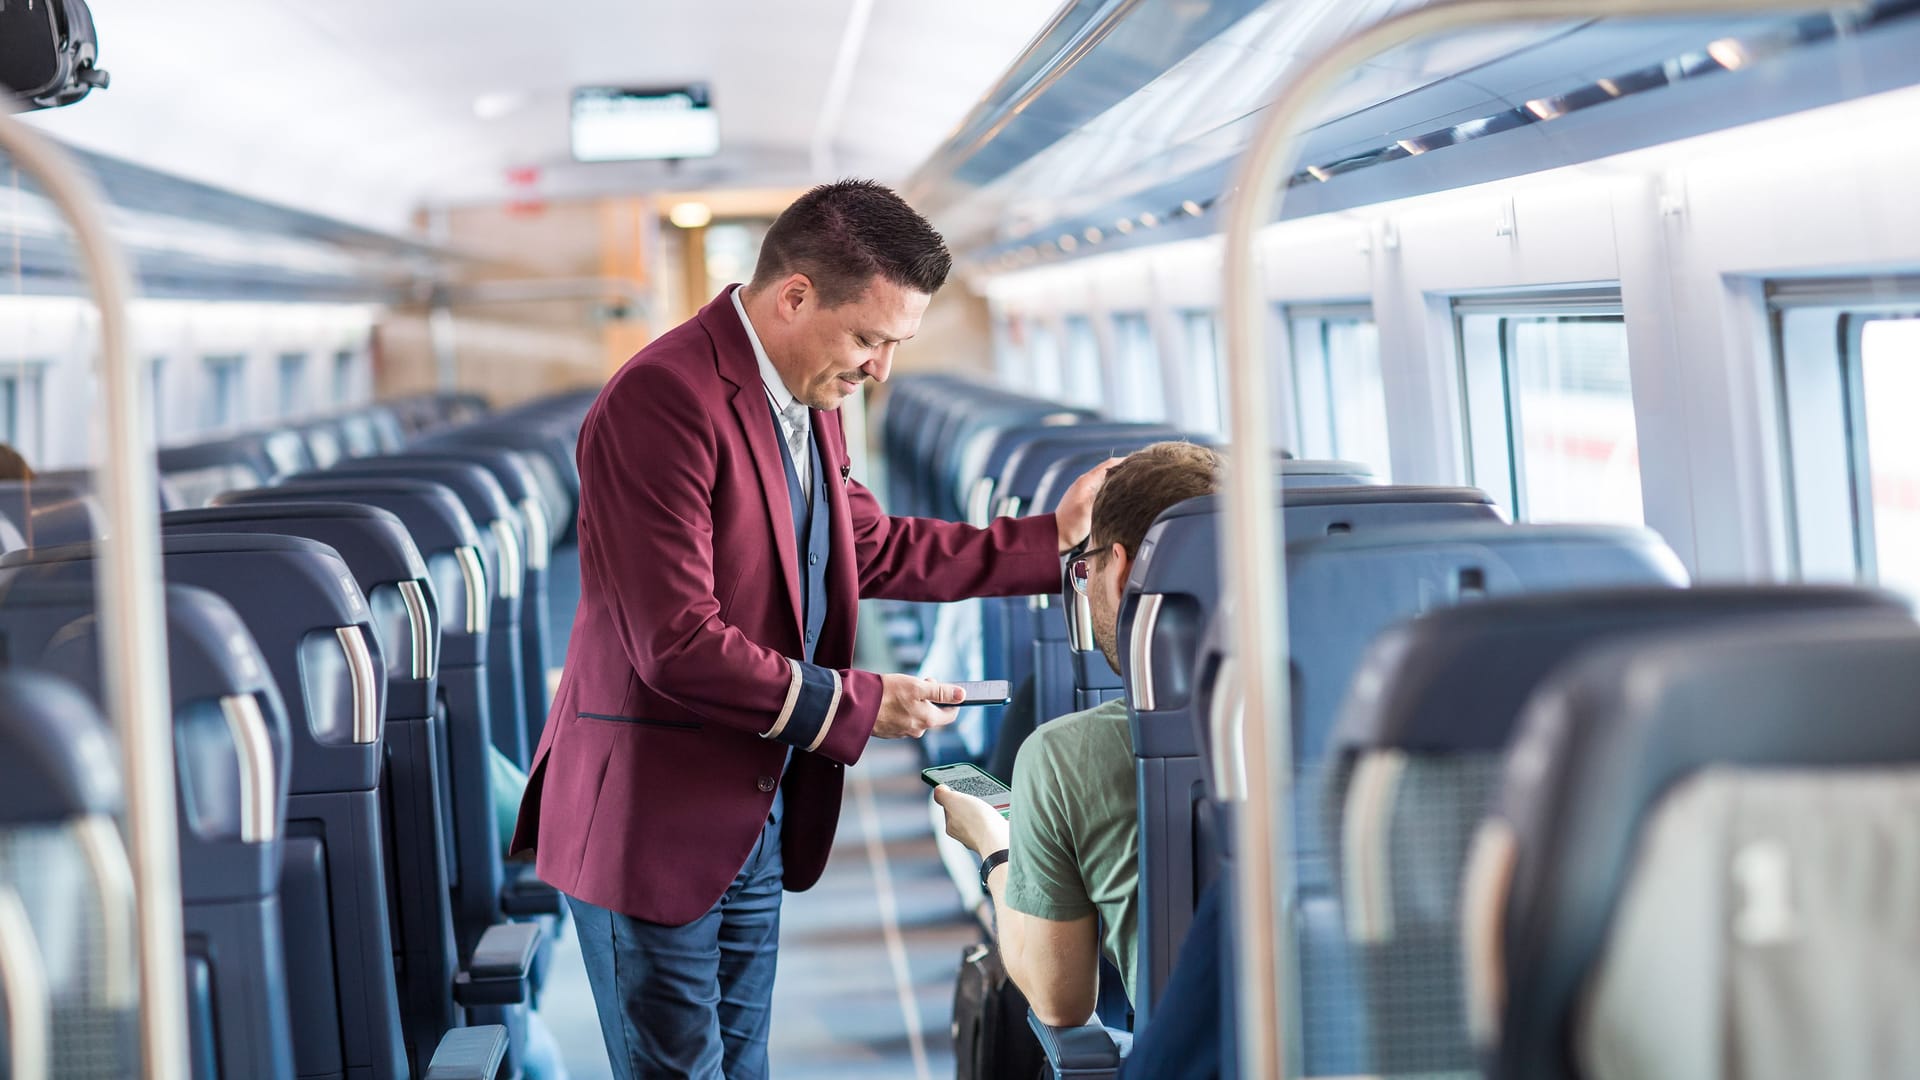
(613,123)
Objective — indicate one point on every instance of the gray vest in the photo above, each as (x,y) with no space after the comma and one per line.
(811,541)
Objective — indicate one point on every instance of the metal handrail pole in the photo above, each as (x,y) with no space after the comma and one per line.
(127,576)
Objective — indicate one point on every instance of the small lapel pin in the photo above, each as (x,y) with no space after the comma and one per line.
(846,473)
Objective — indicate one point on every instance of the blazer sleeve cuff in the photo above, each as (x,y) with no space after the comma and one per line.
(813,699)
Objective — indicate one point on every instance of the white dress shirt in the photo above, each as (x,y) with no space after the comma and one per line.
(782,399)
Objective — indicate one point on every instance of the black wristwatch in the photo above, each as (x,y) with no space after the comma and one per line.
(988,865)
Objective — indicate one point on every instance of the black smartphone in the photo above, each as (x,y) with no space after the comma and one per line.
(990,692)
(972,780)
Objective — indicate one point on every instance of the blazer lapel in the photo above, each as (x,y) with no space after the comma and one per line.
(736,363)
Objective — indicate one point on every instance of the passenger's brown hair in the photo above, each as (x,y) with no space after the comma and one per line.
(1144,484)
(13,466)
(843,235)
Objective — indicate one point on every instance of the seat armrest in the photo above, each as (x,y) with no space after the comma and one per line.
(497,972)
(469,1053)
(525,895)
(1089,1052)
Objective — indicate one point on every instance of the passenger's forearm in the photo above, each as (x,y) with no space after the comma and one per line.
(1059,995)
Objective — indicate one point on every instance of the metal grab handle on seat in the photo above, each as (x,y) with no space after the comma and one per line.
(23,975)
(259,819)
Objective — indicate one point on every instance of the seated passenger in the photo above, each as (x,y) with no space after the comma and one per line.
(1069,889)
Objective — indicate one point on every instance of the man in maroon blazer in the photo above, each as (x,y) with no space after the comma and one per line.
(692,764)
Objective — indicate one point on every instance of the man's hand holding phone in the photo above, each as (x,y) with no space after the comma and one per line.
(978,822)
(910,706)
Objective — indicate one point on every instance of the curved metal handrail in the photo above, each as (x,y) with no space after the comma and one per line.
(1268,1006)
(127,575)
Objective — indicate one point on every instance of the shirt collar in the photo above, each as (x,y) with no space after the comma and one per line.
(776,389)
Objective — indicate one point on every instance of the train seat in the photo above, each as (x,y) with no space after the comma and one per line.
(300,601)
(66,899)
(195,473)
(484,888)
(548,445)
(1703,861)
(501,530)
(232,748)
(1416,755)
(1343,590)
(326,442)
(1173,590)
(520,483)
(421,826)
(45,512)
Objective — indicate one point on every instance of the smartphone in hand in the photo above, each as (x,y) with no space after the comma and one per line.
(972,780)
(990,692)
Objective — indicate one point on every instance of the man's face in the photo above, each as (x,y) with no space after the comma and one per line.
(826,354)
(1106,582)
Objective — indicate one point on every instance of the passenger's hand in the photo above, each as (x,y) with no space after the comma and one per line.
(911,706)
(973,821)
(1075,514)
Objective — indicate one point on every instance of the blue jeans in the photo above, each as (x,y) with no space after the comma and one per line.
(690,1001)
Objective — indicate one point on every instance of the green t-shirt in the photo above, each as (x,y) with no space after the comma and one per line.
(1076,829)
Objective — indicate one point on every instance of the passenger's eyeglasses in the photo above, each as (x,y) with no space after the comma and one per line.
(1080,571)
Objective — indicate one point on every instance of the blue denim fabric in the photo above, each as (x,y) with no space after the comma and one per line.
(690,1001)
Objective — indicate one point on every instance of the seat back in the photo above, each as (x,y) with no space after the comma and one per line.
(302,605)
(445,536)
(534,521)
(1171,594)
(500,528)
(66,898)
(416,784)
(198,471)
(1416,756)
(1703,859)
(1343,590)
(232,748)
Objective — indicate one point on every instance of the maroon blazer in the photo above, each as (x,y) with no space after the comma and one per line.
(681,696)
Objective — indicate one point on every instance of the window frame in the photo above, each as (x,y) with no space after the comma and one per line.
(212,366)
(291,403)
(1192,402)
(1798,366)
(1321,318)
(1594,305)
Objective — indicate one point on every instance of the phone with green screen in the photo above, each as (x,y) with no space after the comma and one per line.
(972,780)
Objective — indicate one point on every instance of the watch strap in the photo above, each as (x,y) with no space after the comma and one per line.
(988,865)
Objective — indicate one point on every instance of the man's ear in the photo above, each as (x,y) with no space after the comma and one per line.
(793,295)
(1117,554)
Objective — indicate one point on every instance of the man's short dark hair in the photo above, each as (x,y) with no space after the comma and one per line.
(842,235)
(1144,484)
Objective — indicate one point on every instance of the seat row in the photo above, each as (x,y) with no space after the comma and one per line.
(350,649)
(1437,653)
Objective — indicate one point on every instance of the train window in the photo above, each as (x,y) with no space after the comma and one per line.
(1138,394)
(1889,384)
(343,377)
(157,394)
(226,401)
(1084,383)
(20,411)
(1200,387)
(1848,371)
(1339,396)
(1549,406)
(1043,375)
(293,383)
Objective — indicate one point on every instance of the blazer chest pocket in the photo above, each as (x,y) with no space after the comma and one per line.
(639,721)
